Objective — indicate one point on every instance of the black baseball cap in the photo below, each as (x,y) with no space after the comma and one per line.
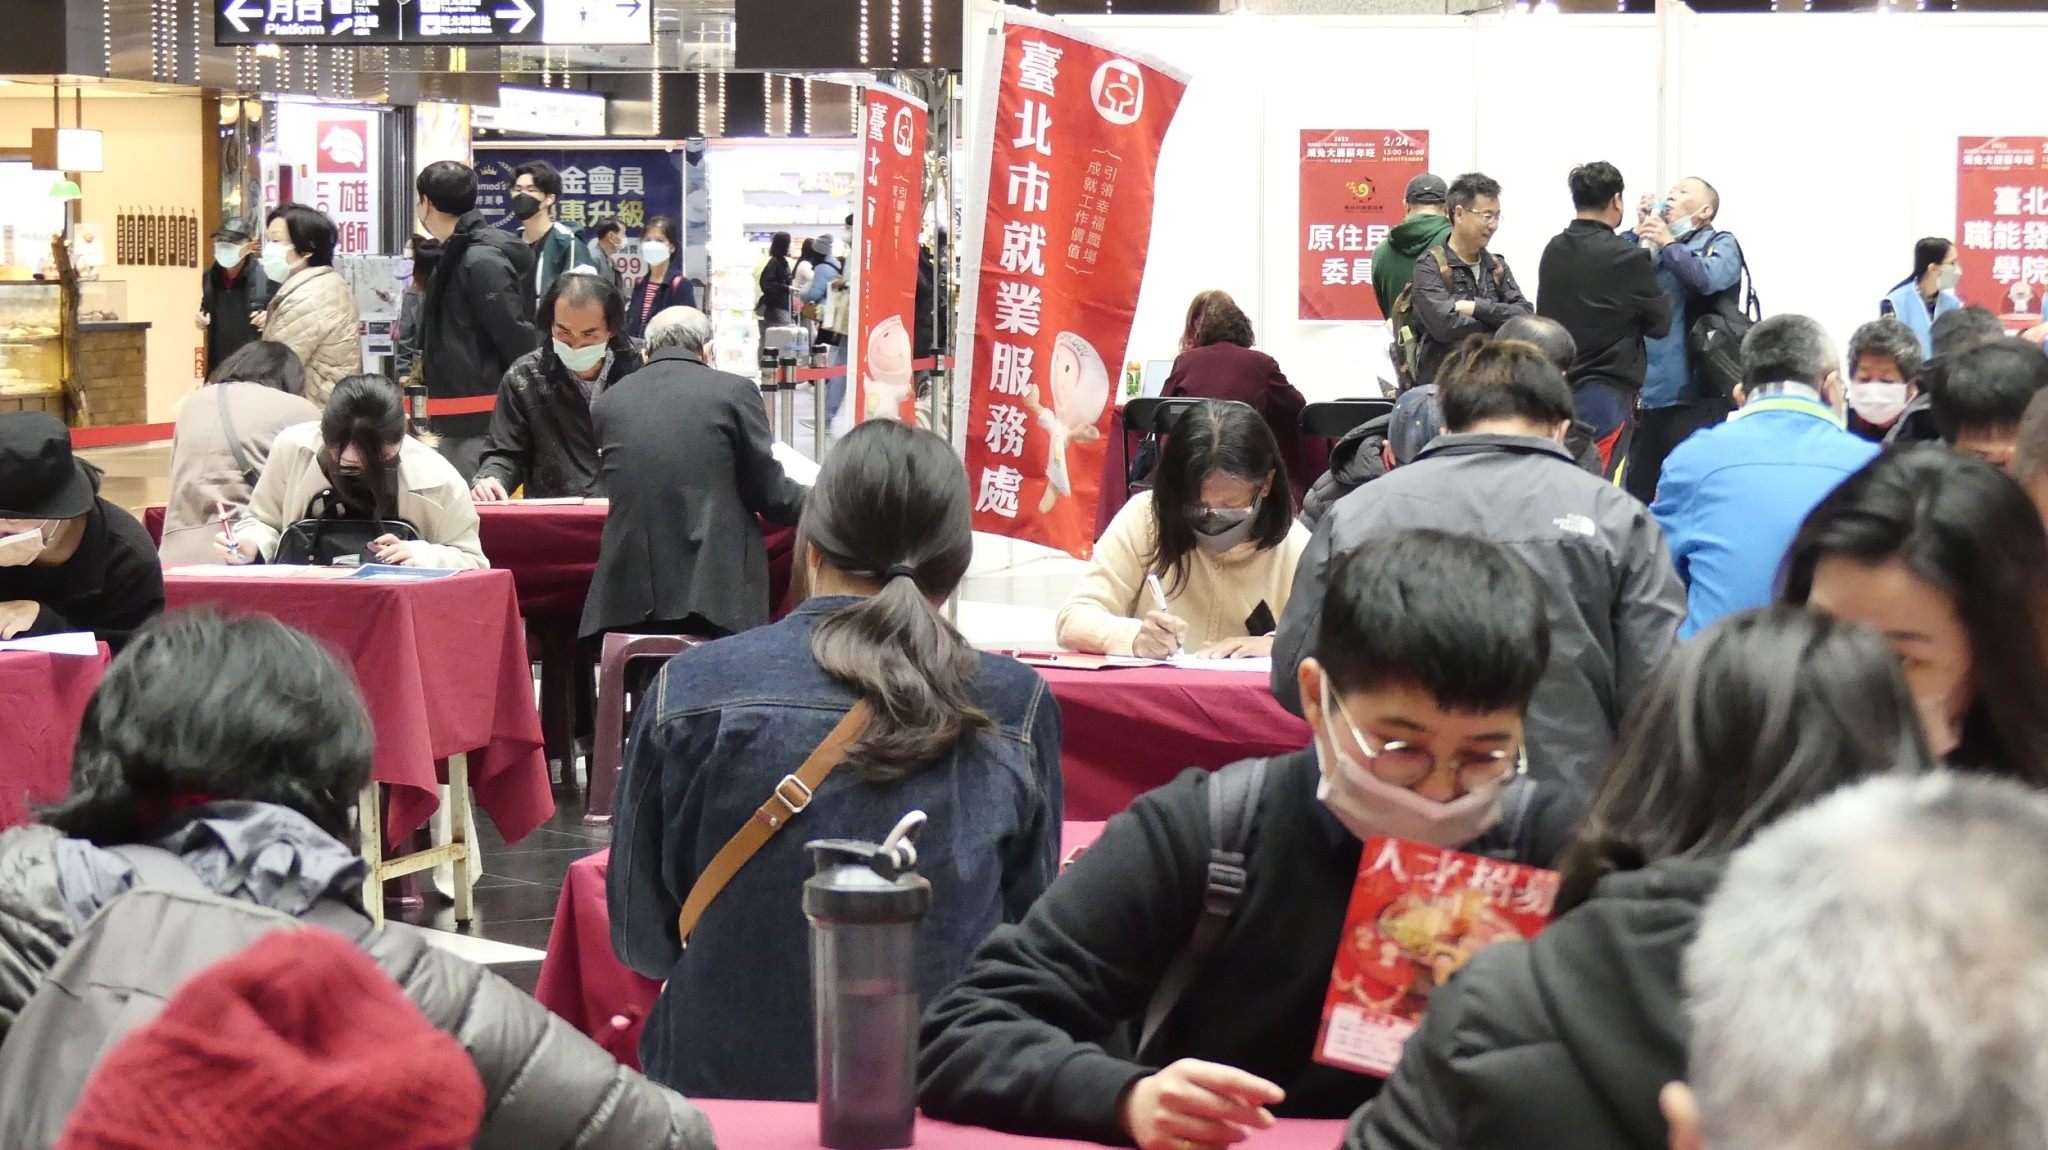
(1427,188)
(38,477)
(233,229)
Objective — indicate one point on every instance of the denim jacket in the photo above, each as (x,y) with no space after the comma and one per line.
(1708,263)
(722,725)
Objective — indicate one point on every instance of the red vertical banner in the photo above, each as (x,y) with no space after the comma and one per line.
(2002,225)
(1073,126)
(885,244)
(1353,184)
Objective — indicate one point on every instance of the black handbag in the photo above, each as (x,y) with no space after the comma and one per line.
(326,536)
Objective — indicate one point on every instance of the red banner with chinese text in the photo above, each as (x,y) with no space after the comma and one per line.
(1074,149)
(2002,225)
(885,245)
(1353,183)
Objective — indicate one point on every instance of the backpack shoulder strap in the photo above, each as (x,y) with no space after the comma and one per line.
(250,471)
(1499,267)
(1443,262)
(1233,809)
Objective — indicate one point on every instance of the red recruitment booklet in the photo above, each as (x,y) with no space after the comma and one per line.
(1418,914)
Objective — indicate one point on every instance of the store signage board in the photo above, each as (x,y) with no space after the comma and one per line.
(540,112)
(341,22)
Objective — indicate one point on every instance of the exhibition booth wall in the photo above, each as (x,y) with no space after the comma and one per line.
(1832,139)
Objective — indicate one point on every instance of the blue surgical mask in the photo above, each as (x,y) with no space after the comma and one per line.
(580,359)
(1680,229)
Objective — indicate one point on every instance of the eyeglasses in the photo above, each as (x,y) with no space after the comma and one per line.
(1404,764)
(1489,217)
(1219,518)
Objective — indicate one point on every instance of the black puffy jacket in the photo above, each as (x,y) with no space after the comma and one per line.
(1354,462)
(478,316)
(1563,1041)
(546,1086)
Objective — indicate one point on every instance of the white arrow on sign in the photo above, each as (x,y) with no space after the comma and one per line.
(238,11)
(520,13)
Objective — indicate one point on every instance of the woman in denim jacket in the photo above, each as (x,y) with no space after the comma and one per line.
(971,739)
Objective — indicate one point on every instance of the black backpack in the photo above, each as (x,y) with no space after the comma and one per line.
(1713,337)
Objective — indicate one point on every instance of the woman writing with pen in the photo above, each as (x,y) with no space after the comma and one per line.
(1203,562)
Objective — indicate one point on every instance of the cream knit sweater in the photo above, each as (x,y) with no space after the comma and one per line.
(1219,594)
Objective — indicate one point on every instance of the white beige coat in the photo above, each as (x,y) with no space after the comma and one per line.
(431,496)
(314,314)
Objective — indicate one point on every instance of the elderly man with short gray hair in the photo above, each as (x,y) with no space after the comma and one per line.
(1872,974)
(683,327)
(1731,497)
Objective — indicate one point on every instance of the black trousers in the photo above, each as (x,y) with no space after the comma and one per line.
(1659,431)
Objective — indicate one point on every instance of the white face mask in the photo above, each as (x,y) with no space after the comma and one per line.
(655,252)
(24,548)
(277,260)
(1878,403)
(227,255)
(1951,275)
(1368,806)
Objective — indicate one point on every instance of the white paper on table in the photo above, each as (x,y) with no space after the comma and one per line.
(796,465)
(63,643)
(261,571)
(1263,664)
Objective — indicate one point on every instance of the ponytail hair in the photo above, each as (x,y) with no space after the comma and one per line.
(891,507)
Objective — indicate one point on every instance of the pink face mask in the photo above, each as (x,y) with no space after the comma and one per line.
(1368,805)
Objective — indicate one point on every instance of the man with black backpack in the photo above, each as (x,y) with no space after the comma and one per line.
(1199,933)
(1459,289)
(1700,269)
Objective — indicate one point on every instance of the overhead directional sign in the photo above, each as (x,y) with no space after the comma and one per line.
(342,22)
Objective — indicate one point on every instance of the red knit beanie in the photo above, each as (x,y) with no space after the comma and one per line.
(300,1042)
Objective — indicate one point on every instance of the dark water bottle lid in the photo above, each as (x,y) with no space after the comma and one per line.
(868,882)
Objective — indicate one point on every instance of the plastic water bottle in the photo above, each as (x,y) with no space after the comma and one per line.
(867,905)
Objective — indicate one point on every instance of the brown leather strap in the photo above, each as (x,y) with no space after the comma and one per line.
(787,801)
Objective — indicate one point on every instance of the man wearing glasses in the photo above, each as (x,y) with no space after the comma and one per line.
(1460,289)
(1090,1019)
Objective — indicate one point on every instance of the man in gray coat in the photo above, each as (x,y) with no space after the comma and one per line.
(1502,473)
(685,454)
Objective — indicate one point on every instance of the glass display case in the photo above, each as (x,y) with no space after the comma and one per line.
(31,339)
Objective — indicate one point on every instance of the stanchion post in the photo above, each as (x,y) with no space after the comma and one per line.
(819,417)
(788,376)
(771,384)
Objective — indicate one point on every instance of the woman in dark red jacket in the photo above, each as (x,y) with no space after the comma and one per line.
(1217,362)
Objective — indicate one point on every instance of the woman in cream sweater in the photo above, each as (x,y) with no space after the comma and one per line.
(1218,532)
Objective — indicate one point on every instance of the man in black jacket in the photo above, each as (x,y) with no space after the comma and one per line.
(1604,291)
(1435,643)
(688,462)
(1460,289)
(477,318)
(69,560)
(541,434)
(232,290)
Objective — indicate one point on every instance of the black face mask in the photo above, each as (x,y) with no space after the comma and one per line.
(357,493)
(524,206)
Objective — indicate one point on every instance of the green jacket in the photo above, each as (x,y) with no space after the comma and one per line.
(559,252)
(1393,262)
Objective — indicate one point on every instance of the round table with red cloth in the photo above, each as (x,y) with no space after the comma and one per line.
(42,699)
(1126,730)
(442,666)
(743,1125)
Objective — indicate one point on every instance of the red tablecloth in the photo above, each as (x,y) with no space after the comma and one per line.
(1129,729)
(42,698)
(442,665)
(551,551)
(794,1126)
(582,980)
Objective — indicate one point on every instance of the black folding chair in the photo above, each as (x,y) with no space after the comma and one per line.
(1336,418)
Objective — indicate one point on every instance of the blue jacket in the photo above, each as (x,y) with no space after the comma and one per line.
(1708,263)
(721,726)
(1908,308)
(1731,498)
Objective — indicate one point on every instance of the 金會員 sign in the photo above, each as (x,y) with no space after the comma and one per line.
(885,244)
(2002,225)
(1352,186)
(1072,141)
(632,185)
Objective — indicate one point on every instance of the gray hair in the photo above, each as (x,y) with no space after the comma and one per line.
(683,327)
(1787,348)
(1873,975)
(1890,339)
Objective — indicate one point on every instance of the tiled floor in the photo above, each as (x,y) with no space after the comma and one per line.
(1008,600)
